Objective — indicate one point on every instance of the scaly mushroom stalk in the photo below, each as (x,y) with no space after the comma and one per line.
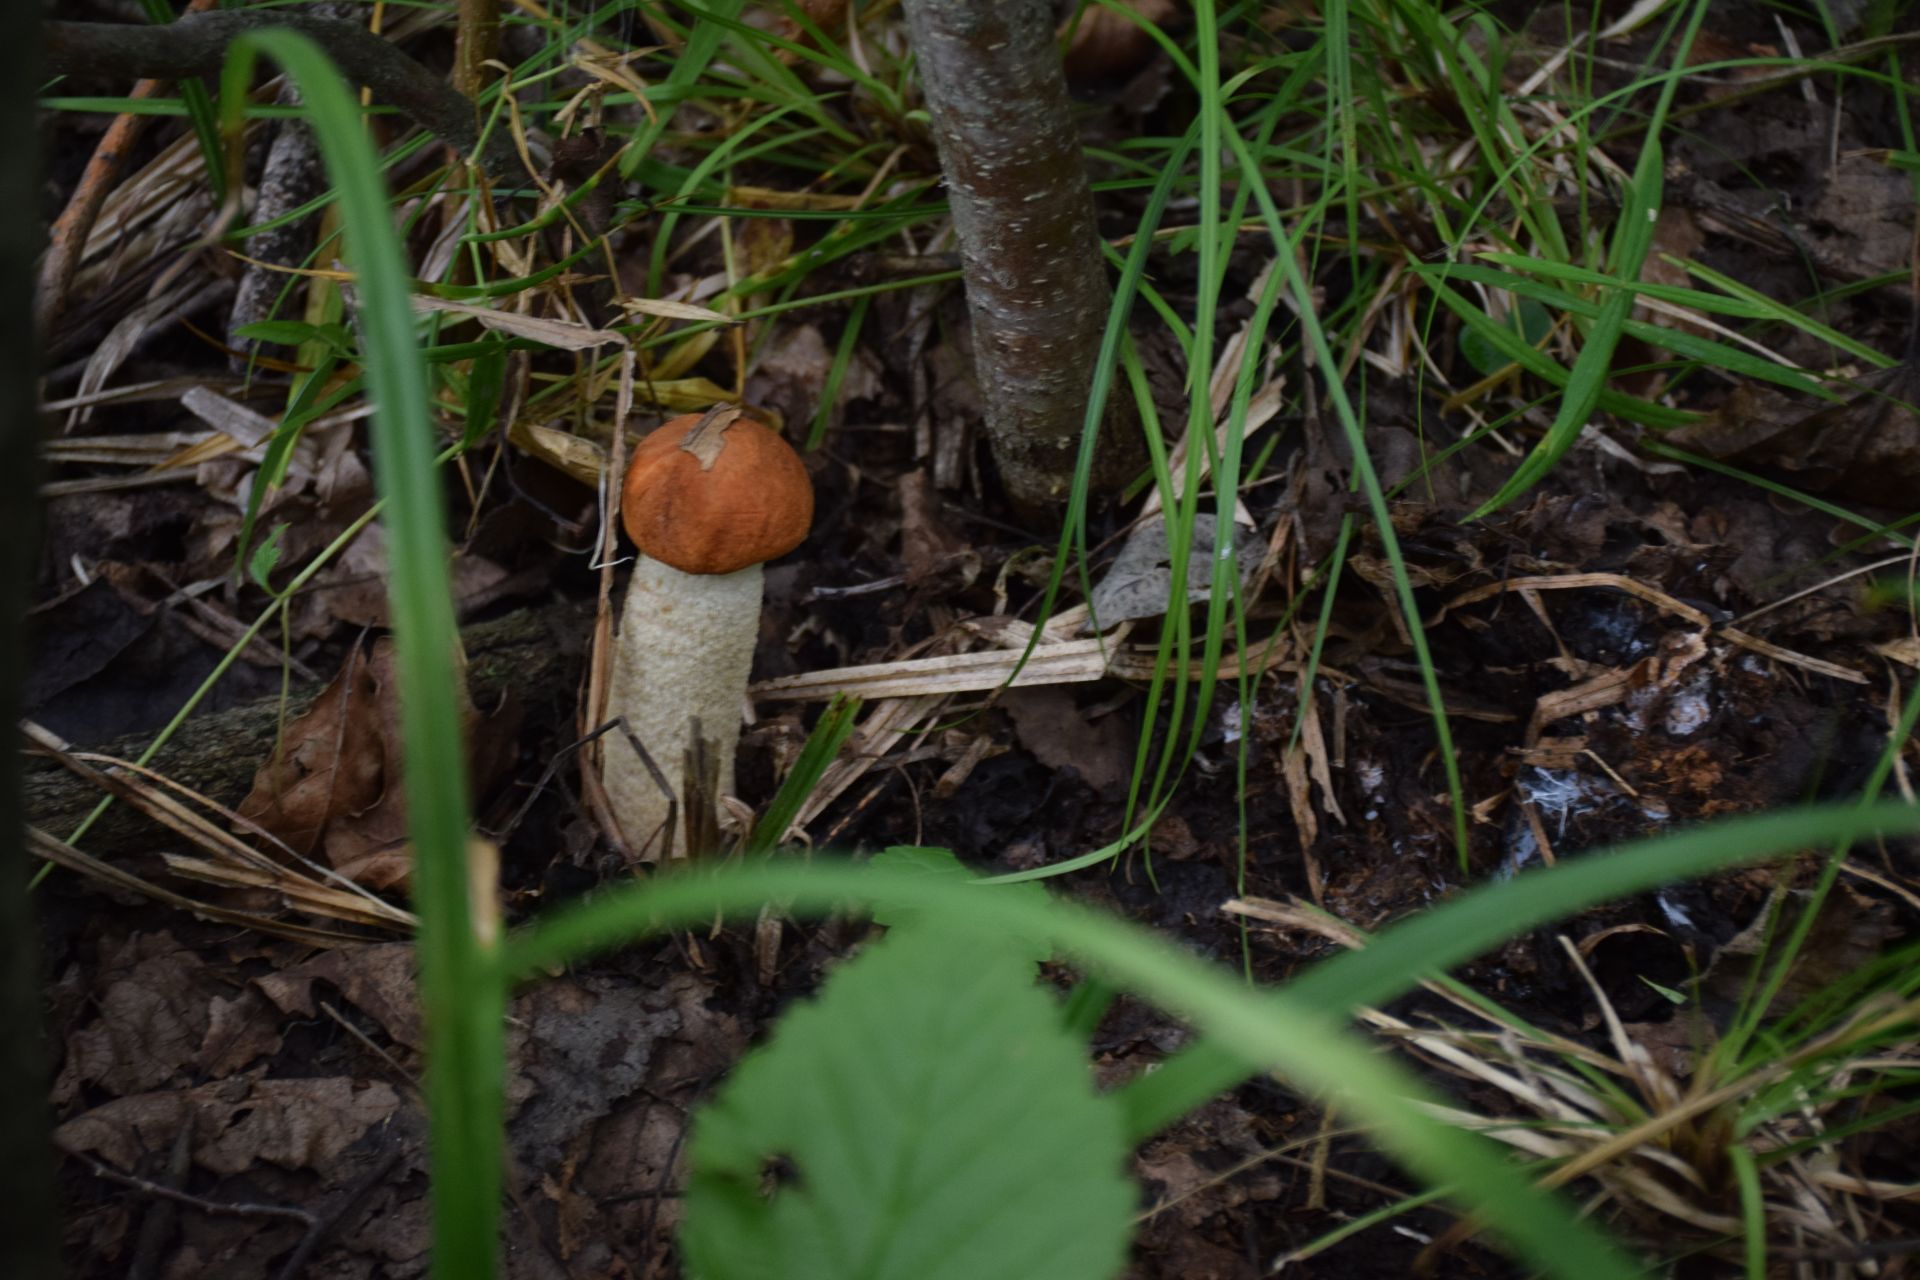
(684,653)
(707,498)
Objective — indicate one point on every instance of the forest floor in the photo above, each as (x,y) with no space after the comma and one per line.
(1637,645)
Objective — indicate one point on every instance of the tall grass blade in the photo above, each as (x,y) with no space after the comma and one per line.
(462,1008)
(1633,237)
(1459,930)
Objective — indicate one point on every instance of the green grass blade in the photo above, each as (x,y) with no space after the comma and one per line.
(688,67)
(463,1012)
(1753,1210)
(1448,935)
(1735,299)
(1510,345)
(199,107)
(1708,351)
(830,733)
(1787,315)
(843,354)
(1813,502)
(1368,481)
(1633,238)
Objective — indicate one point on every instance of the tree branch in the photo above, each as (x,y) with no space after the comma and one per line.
(196,45)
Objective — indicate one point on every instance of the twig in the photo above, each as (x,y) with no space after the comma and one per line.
(291,176)
(222,1208)
(196,45)
(157,1226)
(67,237)
(318,1225)
(324,1224)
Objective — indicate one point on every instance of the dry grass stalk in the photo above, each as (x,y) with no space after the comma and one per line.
(302,884)
(1657,1146)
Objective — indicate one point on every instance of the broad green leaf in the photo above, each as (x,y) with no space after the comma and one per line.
(935,1121)
(1306,1045)
(940,864)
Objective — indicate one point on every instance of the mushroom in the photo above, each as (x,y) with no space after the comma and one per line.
(707,499)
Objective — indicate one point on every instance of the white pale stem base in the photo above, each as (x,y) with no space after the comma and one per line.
(684,650)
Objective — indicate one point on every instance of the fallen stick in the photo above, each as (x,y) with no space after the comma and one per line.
(535,653)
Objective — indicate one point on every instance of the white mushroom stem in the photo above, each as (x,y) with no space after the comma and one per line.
(683,652)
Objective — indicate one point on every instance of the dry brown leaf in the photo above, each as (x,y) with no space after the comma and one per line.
(1052,726)
(1866,448)
(378,980)
(577,1048)
(330,762)
(333,785)
(296,1124)
(1906,649)
(773,198)
(926,543)
(668,309)
(1849,932)
(154,1014)
(572,455)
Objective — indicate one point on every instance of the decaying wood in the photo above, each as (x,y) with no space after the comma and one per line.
(534,653)
(291,177)
(1036,283)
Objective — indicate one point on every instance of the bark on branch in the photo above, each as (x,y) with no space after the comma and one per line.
(1036,284)
(196,45)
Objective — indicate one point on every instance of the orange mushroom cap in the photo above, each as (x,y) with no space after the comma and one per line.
(715,492)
